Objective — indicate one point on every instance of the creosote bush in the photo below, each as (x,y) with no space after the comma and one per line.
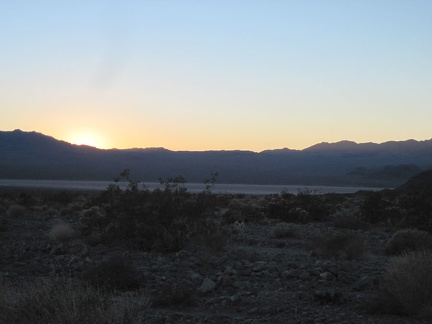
(61,231)
(3,226)
(304,207)
(241,210)
(284,230)
(16,211)
(346,245)
(163,220)
(347,218)
(408,240)
(406,287)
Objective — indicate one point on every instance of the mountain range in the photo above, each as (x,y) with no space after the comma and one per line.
(32,155)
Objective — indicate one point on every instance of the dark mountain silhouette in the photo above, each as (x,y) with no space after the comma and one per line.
(31,155)
(419,184)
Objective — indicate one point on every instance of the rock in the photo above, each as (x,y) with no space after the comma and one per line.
(259,266)
(56,250)
(207,285)
(305,275)
(325,296)
(291,274)
(363,284)
(195,277)
(327,276)
(84,252)
(331,267)
(226,281)
(239,284)
(230,271)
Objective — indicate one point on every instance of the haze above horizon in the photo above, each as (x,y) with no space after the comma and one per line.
(217,75)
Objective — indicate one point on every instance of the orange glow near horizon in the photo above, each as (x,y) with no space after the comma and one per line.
(89,138)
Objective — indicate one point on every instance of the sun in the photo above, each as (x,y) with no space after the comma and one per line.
(88,138)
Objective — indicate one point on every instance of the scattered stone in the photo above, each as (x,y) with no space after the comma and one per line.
(259,266)
(327,276)
(207,285)
(291,274)
(305,275)
(328,295)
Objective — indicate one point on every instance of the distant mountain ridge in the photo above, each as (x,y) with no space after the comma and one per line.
(32,155)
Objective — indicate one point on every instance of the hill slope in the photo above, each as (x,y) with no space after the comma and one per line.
(31,155)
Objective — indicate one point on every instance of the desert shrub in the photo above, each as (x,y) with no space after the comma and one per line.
(16,211)
(406,287)
(304,207)
(174,291)
(314,203)
(299,215)
(347,218)
(2,224)
(92,220)
(278,207)
(3,205)
(115,273)
(50,211)
(162,220)
(242,210)
(417,211)
(408,240)
(213,235)
(344,245)
(61,231)
(371,207)
(66,211)
(65,301)
(63,197)
(284,230)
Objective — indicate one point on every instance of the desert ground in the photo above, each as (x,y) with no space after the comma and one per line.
(132,256)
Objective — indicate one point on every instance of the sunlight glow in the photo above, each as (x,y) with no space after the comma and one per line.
(86,138)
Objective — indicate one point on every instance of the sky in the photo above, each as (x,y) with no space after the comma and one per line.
(217,74)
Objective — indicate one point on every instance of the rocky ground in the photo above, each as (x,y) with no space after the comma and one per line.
(257,279)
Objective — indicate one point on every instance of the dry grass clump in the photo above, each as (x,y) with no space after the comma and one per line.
(65,301)
(408,240)
(406,288)
(347,218)
(61,231)
(346,245)
(115,273)
(284,230)
(16,211)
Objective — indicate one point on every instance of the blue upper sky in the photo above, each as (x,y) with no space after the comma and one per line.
(200,75)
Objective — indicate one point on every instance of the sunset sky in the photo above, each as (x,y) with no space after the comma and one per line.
(215,74)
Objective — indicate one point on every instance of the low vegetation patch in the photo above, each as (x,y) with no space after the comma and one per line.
(347,218)
(284,230)
(163,220)
(408,240)
(65,301)
(346,245)
(61,231)
(16,211)
(406,288)
(115,273)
